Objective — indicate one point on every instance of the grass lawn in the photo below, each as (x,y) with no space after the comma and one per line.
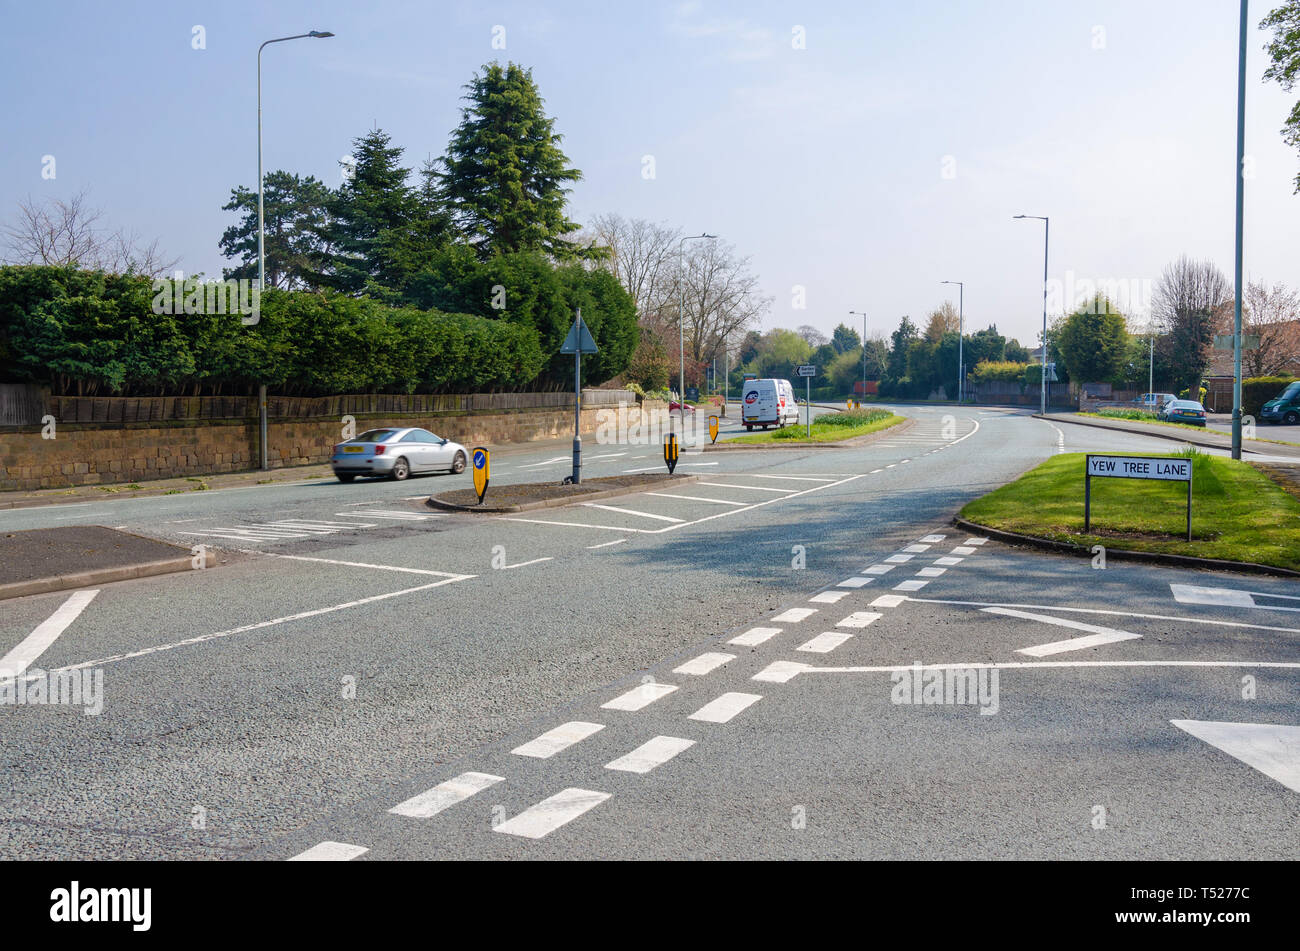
(1137,416)
(829,427)
(1238,513)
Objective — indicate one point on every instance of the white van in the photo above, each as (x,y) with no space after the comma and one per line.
(768,403)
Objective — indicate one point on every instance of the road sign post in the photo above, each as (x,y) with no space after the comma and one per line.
(482,471)
(1161,468)
(670,452)
(807,371)
(578,342)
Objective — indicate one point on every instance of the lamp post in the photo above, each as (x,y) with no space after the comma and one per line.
(1047,224)
(1241,188)
(261,226)
(961,339)
(681,328)
(857,313)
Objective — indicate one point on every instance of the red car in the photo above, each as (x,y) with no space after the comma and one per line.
(673,407)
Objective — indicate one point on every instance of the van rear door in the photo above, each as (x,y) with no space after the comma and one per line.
(759,402)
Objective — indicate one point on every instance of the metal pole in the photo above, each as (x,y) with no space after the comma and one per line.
(577,407)
(807,413)
(1047,224)
(681,338)
(726,375)
(261,256)
(961,338)
(1151,366)
(864,354)
(1236,303)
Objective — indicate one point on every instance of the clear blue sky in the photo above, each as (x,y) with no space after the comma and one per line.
(825,164)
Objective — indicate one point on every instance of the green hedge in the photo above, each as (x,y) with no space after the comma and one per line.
(91,333)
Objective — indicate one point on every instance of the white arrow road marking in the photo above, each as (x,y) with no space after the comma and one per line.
(15,663)
(1272,749)
(653,753)
(561,738)
(446,794)
(330,852)
(549,814)
(1100,635)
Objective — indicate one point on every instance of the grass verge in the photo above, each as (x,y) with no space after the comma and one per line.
(1238,513)
(830,427)
(1137,416)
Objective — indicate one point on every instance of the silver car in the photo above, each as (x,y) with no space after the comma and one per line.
(397,453)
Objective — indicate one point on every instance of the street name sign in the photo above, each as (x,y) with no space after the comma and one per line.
(1160,468)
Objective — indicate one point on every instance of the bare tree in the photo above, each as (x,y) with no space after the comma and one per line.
(69,234)
(642,256)
(814,337)
(1273,314)
(1190,304)
(722,300)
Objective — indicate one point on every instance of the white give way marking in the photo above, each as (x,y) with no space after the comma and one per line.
(15,663)
(1228,597)
(1272,749)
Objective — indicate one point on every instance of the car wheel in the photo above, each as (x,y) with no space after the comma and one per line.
(458,464)
(749,429)
(1291,418)
(346,476)
(401,469)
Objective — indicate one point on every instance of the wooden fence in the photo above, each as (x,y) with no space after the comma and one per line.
(21,404)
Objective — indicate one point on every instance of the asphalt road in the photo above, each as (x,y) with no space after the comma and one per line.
(503,683)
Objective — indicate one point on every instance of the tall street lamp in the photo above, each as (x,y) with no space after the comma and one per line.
(1241,189)
(961,339)
(1047,224)
(681,328)
(261,227)
(858,313)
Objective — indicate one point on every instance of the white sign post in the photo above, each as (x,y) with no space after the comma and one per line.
(807,371)
(1161,468)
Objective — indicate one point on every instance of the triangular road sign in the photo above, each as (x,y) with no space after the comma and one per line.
(579,339)
(1272,749)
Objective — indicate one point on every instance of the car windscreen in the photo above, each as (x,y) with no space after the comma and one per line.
(1186,404)
(375,435)
(1291,392)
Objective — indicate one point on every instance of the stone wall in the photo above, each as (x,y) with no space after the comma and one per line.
(97,453)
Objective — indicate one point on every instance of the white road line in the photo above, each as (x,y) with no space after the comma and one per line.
(754,636)
(860,619)
(359,564)
(617,541)
(824,642)
(725,707)
(382,513)
(549,814)
(756,475)
(525,564)
(794,615)
(948,560)
(879,569)
(694,498)
(930,572)
(15,663)
(607,455)
(910,585)
(1271,748)
(560,738)
(1215,597)
(650,754)
(782,671)
(446,794)
(874,471)
(330,852)
(856,582)
(963,550)
(1038,665)
(828,597)
(899,559)
(699,666)
(639,697)
(1133,614)
(615,508)
(917,548)
(888,601)
(752,488)
(933,539)
(976,541)
(260,625)
(1099,635)
(608,528)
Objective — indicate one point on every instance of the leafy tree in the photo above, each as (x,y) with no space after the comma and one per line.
(1094,342)
(986,345)
(901,339)
(943,319)
(1284,67)
(1016,352)
(845,338)
(504,174)
(296,218)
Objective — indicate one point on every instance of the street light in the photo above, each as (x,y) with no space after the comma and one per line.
(858,313)
(1241,195)
(1047,225)
(961,338)
(681,328)
(261,227)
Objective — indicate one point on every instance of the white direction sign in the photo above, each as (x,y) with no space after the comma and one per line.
(1172,469)
(806,370)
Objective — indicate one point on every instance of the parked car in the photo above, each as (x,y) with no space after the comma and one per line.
(1285,407)
(397,453)
(675,406)
(1183,411)
(1154,401)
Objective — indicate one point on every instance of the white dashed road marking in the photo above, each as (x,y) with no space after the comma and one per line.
(754,636)
(561,738)
(725,707)
(330,852)
(549,814)
(445,795)
(825,642)
(860,619)
(648,755)
(639,697)
(828,597)
(703,664)
(794,615)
